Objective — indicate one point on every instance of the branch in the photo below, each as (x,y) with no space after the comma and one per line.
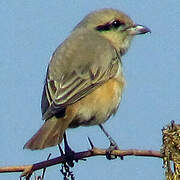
(27,170)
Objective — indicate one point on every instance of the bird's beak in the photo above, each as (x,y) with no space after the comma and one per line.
(137,29)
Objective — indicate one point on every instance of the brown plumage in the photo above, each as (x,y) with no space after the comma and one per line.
(84,82)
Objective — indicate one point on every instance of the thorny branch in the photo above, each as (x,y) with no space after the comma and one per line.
(27,170)
(170,151)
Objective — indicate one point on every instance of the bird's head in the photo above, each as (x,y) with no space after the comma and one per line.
(113,25)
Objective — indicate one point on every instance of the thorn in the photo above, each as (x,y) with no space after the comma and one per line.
(49,156)
(92,145)
(60,149)
(44,169)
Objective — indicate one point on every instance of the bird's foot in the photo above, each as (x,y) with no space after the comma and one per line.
(69,154)
(66,166)
(113,146)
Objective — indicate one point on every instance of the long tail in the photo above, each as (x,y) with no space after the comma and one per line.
(50,134)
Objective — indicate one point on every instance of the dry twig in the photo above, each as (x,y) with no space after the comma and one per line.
(27,170)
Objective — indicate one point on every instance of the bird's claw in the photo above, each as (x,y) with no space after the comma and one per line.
(69,155)
(113,146)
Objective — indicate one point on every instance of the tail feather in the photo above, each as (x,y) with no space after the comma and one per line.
(50,134)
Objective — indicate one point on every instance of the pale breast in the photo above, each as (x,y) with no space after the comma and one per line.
(98,106)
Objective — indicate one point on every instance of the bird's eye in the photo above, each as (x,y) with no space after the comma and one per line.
(117,23)
(110,25)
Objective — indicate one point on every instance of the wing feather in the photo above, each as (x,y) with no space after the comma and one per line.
(66,82)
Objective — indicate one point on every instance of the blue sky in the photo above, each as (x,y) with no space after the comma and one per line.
(31,30)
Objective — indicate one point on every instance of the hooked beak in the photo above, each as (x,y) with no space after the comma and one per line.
(138,29)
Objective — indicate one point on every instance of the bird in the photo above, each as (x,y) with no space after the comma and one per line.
(84,81)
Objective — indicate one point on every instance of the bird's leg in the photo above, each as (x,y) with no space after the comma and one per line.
(113,144)
(69,153)
(65,167)
(60,149)
(111,140)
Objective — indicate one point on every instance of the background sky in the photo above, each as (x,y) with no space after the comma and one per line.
(29,33)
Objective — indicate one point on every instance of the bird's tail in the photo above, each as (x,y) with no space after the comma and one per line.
(50,134)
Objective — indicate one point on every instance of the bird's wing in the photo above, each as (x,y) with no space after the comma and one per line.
(82,70)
